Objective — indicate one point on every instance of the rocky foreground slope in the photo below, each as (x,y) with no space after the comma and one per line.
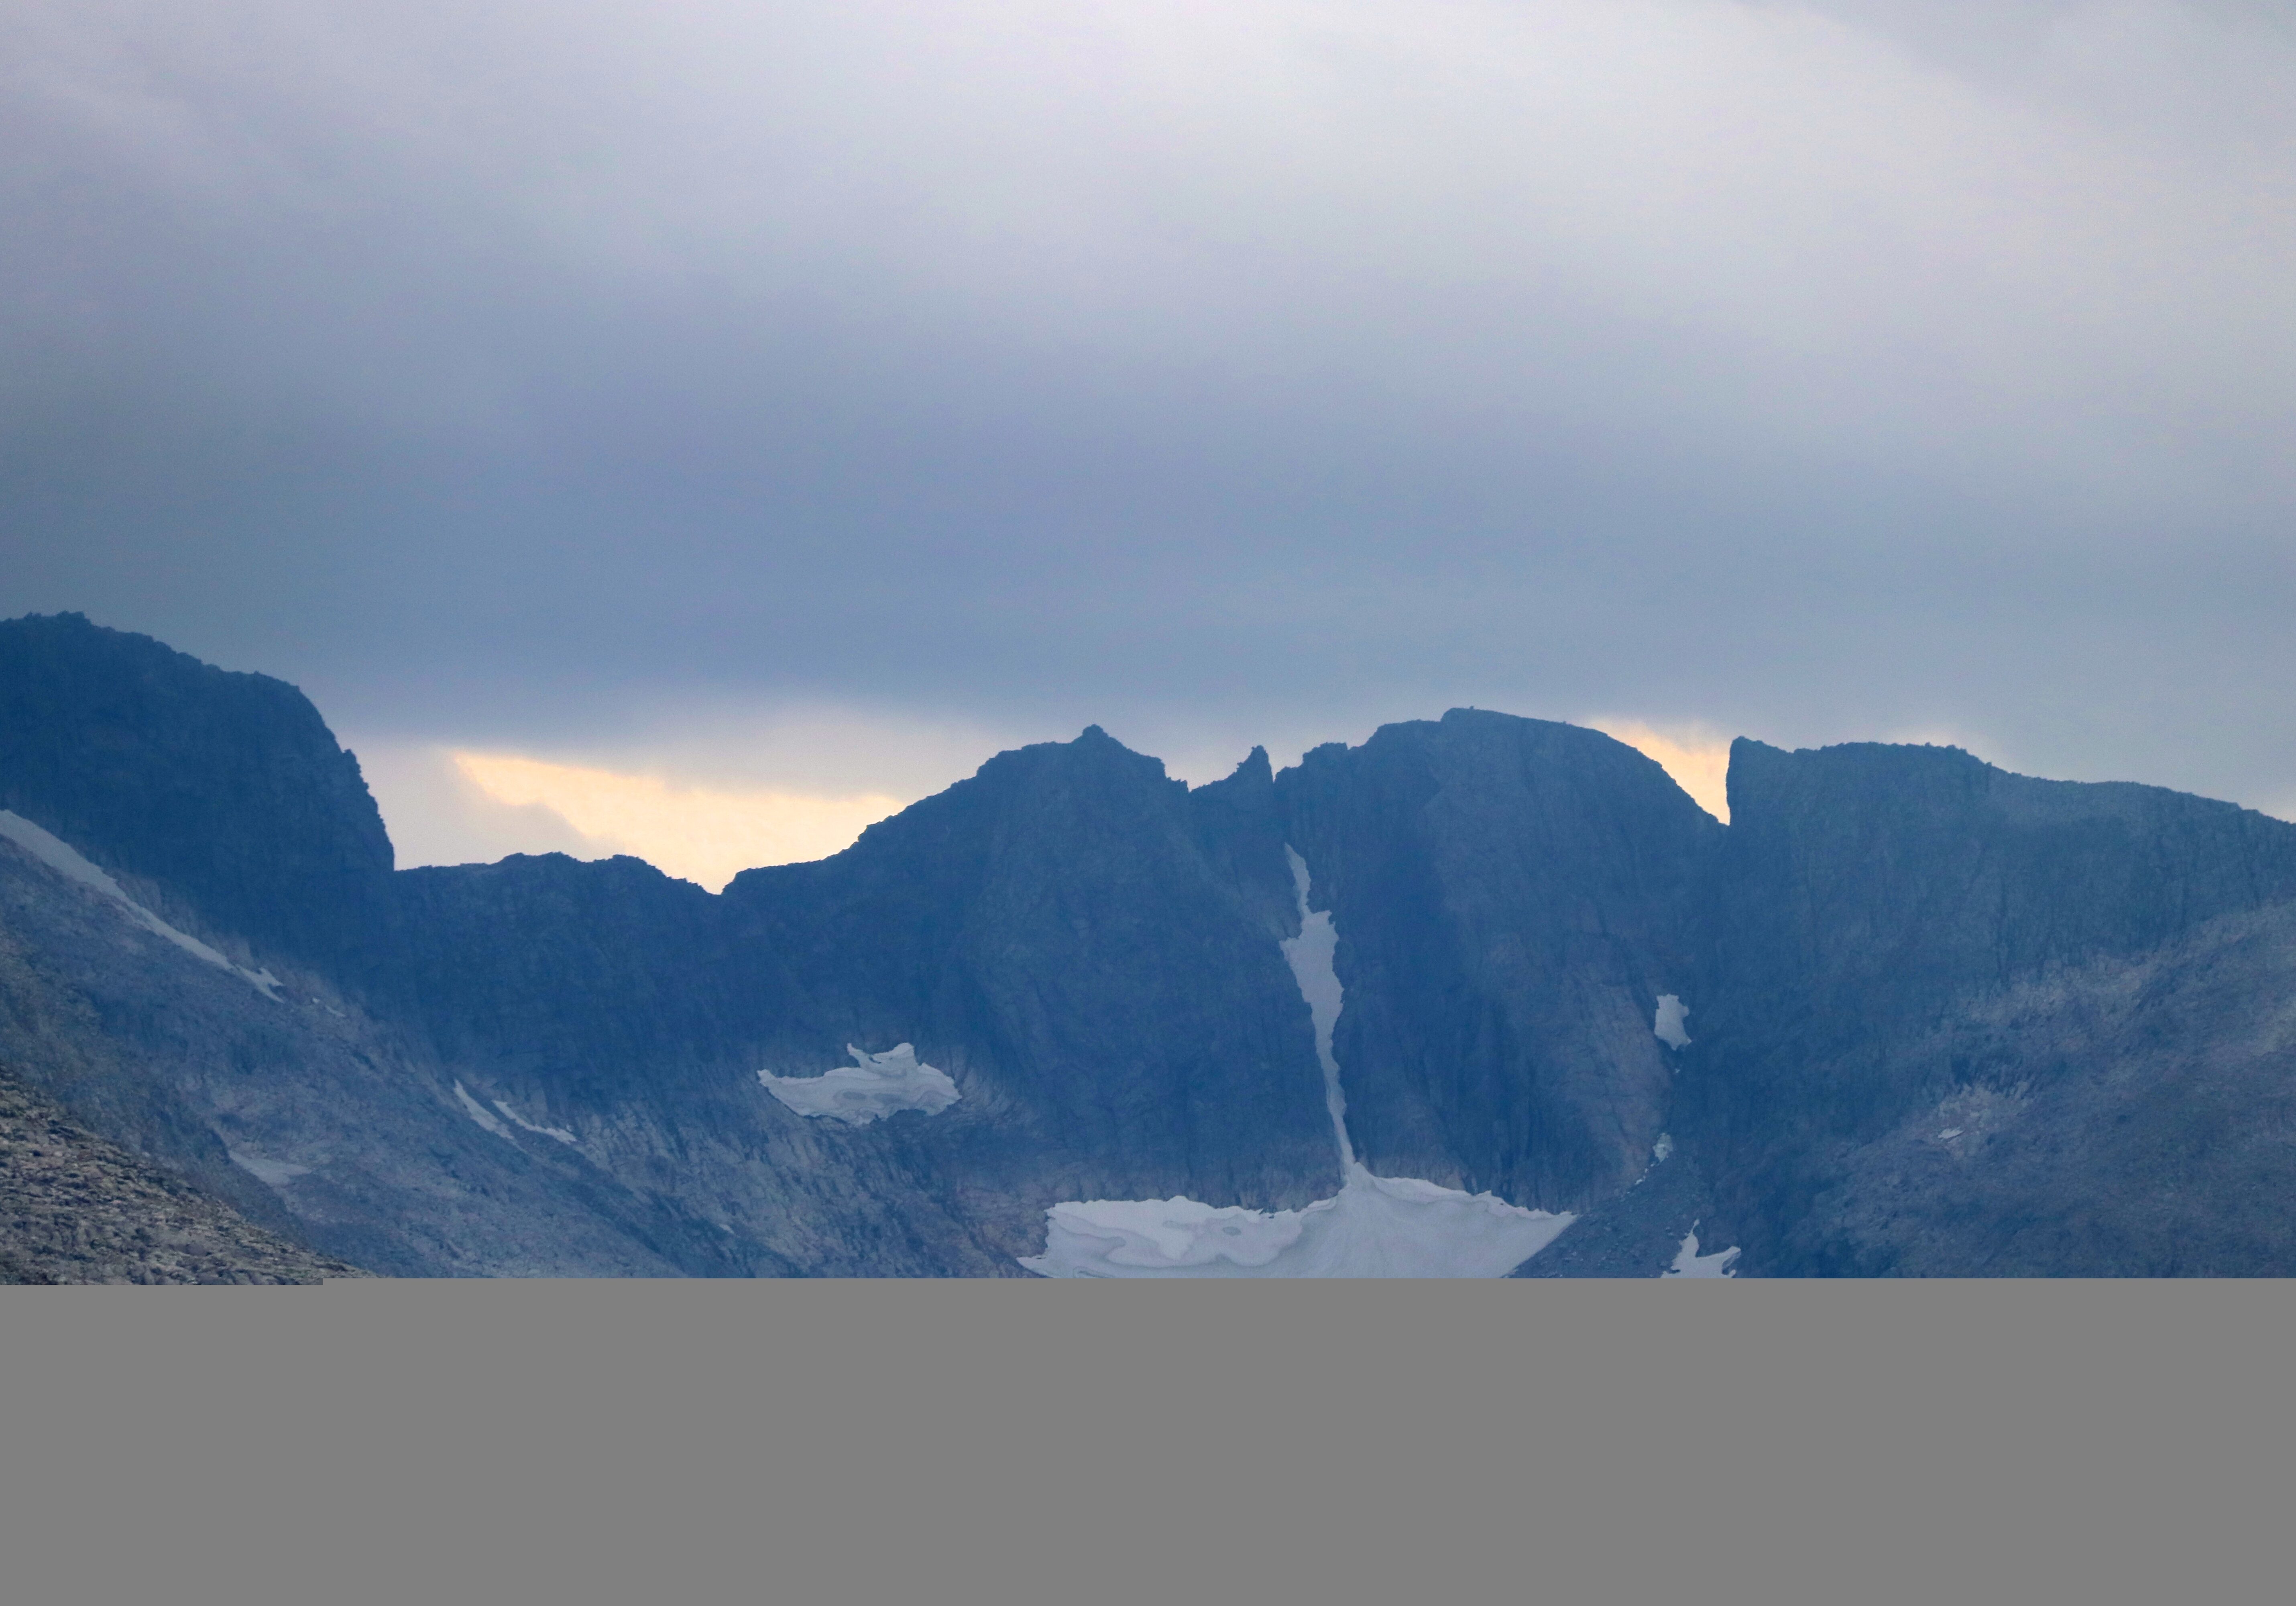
(1941,1020)
(75,1208)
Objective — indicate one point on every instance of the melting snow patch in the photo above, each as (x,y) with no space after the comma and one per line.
(875,1085)
(277,1173)
(1668,1027)
(480,1114)
(559,1133)
(1375,1227)
(1949,1133)
(1689,1263)
(1662,1150)
(1175,1232)
(61,856)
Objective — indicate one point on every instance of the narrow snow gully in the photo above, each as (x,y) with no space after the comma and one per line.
(68,862)
(1372,1227)
(1310,955)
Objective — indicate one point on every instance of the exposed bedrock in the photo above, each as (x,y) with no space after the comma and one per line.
(1511,896)
(222,799)
(1873,912)
(1054,934)
(1942,1019)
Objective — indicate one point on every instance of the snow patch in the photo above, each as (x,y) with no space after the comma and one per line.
(277,1173)
(483,1115)
(1168,1233)
(61,856)
(1689,1263)
(1662,1150)
(1375,1226)
(559,1133)
(1309,954)
(1667,1028)
(874,1086)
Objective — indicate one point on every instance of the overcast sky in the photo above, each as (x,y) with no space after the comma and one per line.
(818,396)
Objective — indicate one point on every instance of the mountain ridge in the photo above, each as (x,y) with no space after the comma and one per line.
(1087,949)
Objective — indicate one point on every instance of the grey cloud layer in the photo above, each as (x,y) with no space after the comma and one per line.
(1814,370)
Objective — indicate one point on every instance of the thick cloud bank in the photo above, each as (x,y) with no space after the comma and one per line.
(507,372)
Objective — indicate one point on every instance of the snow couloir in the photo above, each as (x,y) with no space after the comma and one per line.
(1372,1227)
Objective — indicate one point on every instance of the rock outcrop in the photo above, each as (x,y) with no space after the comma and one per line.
(221,799)
(1513,897)
(1942,1020)
(1872,907)
(1064,935)
(75,1208)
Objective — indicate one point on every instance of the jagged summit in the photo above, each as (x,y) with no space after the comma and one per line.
(1940,1018)
(225,793)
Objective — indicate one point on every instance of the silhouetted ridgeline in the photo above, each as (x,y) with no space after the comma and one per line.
(225,793)
(1943,1020)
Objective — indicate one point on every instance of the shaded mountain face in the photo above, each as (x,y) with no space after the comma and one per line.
(223,797)
(1512,896)
(1943,1020)
(302,1110)
(1055,934)
(2131,1116)
(1875,910)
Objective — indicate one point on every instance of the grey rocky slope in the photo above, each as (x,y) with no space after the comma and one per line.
(544,1067)
(2127,1116)
(296,1106)
(1876,913)
(75,1208)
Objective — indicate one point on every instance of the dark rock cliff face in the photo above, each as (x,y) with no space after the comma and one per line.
(223,797)
(1511,897)
(1868,902)
(1945,1020)
(1086,947)
(1064,935)
(1240,825)
(1056,930)
(588,977)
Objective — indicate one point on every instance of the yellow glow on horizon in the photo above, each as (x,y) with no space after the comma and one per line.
(696,833)
(1699,762)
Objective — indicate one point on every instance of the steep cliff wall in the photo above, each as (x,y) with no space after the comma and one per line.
(1943,1020)
(1869,899)
(1070,935)
(224,796)
(1511,896)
